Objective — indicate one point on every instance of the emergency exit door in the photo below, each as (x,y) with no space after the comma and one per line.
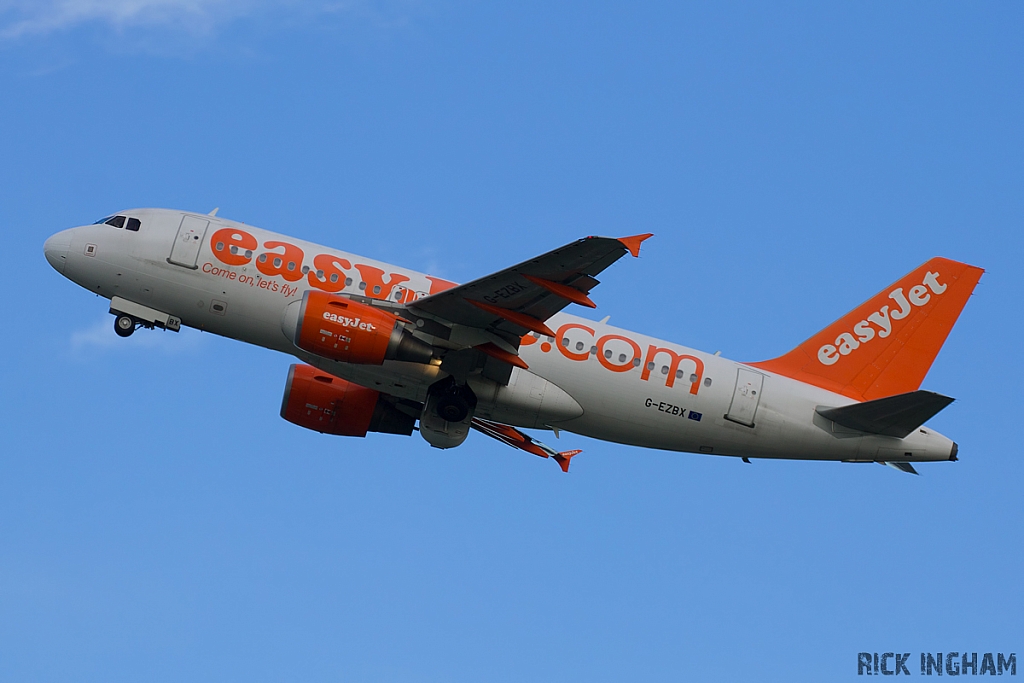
(745,397)
(187,243)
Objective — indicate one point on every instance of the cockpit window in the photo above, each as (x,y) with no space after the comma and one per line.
(133,224)
(116,221)
(103,220)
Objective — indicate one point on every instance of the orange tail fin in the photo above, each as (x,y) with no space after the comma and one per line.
(886,345)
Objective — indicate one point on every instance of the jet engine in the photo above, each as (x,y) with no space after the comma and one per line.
(345,330)
(324,403)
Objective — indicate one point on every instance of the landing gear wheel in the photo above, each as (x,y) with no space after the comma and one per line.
(124,325)
(452,408)
(452,402)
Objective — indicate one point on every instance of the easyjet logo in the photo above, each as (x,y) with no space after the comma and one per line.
(349,322)
(326,272)
(880,323)
(332,273)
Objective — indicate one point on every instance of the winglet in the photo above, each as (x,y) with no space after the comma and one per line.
(214,212)
(633,242)
(564,457)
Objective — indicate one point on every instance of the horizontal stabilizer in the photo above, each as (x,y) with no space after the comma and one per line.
(891,416)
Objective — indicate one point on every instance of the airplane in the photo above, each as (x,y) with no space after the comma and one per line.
(389,350)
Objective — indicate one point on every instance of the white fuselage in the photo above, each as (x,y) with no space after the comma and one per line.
(629,388)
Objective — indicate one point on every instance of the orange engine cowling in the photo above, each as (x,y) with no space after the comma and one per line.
(338,328)
(324,403)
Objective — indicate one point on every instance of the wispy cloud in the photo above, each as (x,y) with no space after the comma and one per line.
(23,18)
(34,17)
(101,336)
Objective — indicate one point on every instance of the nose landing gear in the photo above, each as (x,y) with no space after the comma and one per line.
(124,325)
(129,316)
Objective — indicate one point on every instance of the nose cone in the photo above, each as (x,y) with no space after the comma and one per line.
(56,250)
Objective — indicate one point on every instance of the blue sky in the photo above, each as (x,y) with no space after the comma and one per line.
(160,522)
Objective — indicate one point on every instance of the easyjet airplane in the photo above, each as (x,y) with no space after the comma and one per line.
(386,349)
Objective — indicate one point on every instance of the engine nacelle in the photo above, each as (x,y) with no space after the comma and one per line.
(324,403)
(344,330)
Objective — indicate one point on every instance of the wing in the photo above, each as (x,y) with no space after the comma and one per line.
(524,442)
(517,300)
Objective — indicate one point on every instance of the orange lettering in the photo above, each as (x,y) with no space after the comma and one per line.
(376,288)
(607,363)
(273,263)
(233,247)
(561,342)
(333,269)
(439,285)
(653,351)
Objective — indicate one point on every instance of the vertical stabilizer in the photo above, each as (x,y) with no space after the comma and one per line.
(886,345)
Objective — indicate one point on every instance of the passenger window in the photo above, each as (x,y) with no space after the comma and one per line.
(133,224)
(116,221)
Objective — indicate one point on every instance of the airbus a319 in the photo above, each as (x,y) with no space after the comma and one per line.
(390,350)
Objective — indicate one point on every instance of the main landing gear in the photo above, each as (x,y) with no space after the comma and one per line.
(447,414)
(124,325)
(453,402)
